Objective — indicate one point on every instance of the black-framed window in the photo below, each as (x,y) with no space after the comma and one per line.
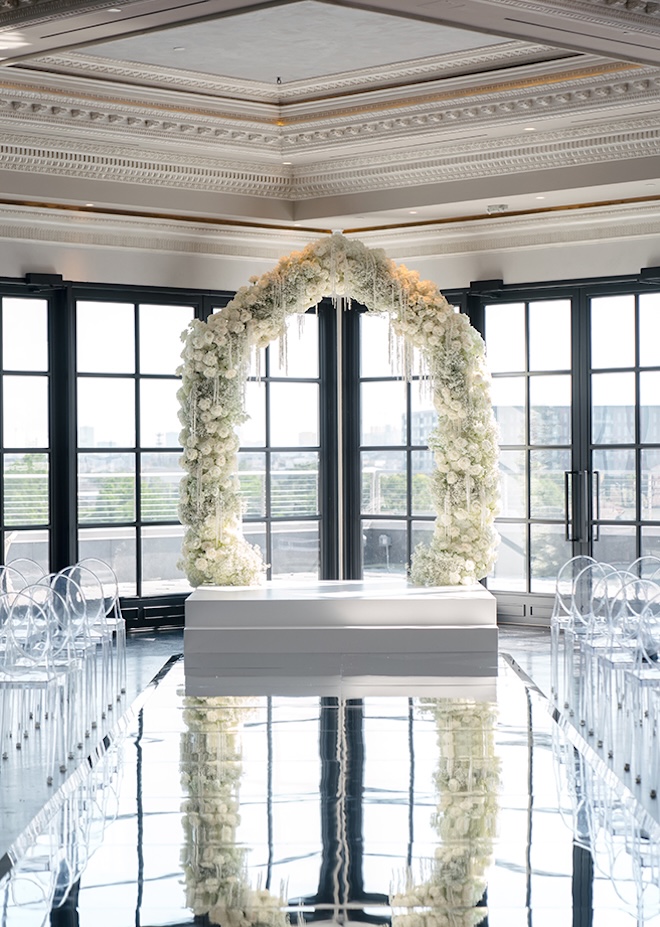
(26,432)
(280,456)
(395,463)
(127,353)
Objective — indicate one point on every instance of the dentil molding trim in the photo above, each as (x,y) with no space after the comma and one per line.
(431,164)
(32,109)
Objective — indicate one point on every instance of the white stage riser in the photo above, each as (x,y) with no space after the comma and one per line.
(470,687)
(338,635)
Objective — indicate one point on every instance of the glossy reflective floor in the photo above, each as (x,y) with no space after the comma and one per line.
(386,810)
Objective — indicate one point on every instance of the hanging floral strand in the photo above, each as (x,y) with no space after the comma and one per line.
(215,364)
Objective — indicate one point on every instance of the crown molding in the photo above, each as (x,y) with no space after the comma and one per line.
(312,132)
(446,162)
(505,233)
(144,234)
(494,58)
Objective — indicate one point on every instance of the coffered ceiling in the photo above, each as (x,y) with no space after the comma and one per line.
(329,114)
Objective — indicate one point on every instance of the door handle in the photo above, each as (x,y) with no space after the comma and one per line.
(569,504)
(595,532)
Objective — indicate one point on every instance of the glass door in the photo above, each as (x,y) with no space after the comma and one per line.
(529,346)
(625,426)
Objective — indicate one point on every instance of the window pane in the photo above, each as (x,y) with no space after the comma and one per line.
(613,315)
(106,412)
(159,486)
(547,486)
(294,484)
(613,408)
(117,547)
(509,404)
(26,489)
(549,551)
(106,487)
(252,433)
(513,483)
(550,410)
(650,501)
(31,544)
(384,547)
(301,349)
(511,566)
(422,533)
(25,411)
(649,413)
(550,335)
(289,428)
(383,412)
(160,337)
(255,533)
(616,545)
(295,550)
(649,330)
(384,483)
(505,337)
(105,337)
(161,549)
(24,334)
(252,474)
(423,417)
(159,422)
(423,467)
(651,541)
(617,483)
(375,346)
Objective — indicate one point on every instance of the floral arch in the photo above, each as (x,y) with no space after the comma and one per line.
(449,352)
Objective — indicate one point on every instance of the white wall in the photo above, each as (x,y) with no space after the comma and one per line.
(554,246)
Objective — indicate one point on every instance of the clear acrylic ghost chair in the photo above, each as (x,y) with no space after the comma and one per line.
(113,617)
(561,618)
(646,567)
(643,688)
(576,626)
(30,569)
(32,683)
(96,638)
(615,656)
(72,647)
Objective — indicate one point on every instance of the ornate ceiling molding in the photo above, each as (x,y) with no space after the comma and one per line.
(432,164)
(313,132)
(405,72)
(642,13)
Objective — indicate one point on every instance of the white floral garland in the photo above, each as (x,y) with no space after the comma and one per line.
(214,866)
(467,782)
(214,370)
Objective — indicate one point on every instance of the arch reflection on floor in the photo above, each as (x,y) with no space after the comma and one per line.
(414,812)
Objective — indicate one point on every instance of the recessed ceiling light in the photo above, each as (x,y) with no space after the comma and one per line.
(540,197)
(413,212)
(89,204)
(113,9)
(530,128)
(286,162)
(179,48)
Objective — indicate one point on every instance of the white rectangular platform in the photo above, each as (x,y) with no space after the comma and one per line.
(333,637)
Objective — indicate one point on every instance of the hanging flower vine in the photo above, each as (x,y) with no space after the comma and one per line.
(449,352)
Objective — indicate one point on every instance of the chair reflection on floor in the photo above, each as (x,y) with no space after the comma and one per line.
(41,881)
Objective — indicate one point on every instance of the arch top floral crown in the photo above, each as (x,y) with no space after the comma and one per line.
(215,364)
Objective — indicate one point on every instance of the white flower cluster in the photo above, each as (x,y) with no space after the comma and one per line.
(214,866)
(215,362)
(467,782)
